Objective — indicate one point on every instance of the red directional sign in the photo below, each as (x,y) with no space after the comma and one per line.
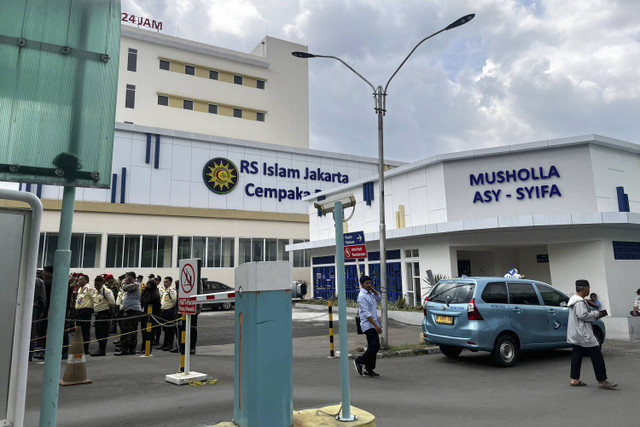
(355,251)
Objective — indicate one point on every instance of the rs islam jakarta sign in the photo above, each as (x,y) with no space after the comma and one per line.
(221,175)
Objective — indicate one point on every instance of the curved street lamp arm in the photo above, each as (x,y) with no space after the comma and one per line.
(410,53)
(454,24)
(351,68)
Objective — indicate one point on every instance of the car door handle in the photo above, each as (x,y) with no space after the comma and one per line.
(552,312)
(516,310)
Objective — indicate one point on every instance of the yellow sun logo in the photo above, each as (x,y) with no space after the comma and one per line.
(220,175)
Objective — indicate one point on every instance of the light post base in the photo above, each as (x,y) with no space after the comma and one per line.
(342,419)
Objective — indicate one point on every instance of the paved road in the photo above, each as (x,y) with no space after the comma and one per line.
(412,391)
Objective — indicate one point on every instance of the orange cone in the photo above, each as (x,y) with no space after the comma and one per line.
(76,371)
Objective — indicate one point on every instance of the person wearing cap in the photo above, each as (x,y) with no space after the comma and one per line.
(367,299)
(102,302)
(168,300)
(636,305)
(583,341)
(84,309)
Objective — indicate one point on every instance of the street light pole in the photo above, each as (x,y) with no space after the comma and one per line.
(380,95)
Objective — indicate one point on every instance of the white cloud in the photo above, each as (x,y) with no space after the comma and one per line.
(522,70)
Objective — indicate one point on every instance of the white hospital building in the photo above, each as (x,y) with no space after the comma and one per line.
(211,160)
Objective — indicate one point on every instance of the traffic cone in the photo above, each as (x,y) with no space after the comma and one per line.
(76,371)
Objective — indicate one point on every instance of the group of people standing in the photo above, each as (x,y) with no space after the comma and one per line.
(121,306)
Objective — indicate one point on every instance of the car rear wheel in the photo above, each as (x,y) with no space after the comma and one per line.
(227,305)
(505,351)
(450,350)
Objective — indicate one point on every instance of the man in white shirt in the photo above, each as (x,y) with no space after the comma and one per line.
(367,299)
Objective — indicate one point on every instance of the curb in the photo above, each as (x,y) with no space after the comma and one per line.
(398,353)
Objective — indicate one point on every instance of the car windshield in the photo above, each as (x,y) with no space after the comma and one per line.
(452,292)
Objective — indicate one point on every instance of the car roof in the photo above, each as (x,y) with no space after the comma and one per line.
(485,279)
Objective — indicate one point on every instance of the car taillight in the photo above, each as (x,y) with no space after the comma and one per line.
(424,305)
(472,311)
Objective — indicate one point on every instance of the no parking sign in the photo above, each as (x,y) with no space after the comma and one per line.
(188,286)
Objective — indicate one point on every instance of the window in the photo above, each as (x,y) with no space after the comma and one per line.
(237,112)
(411,253)
(213,251)
(523,294)
(85,250)
(283,255)
(237,79)
(260,116)
(626,250)
(301,257)
(213,74)
(213,108)
(552,297)
(495,293)
(123,251)
(190,69)
(259,249)
(164,64)
(260,84)
(135,251)
(132,60)
(163,100)
(187,104)
(130,99)
(156,251)
(452,292)
(271,249)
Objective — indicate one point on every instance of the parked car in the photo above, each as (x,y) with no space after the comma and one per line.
(210,287)
(501,315)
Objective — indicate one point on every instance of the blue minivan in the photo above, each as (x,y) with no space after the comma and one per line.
(501,315)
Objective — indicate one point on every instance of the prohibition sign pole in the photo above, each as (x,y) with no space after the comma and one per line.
(188,287)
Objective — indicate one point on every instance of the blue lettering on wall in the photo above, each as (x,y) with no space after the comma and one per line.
(525,192)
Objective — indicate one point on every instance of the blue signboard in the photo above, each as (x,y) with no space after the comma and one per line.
(355,238)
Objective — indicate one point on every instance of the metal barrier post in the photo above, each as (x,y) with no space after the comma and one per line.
(331,348)
(181,347)
(147,344)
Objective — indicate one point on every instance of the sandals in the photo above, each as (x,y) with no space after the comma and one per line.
(578,384)
(608,385)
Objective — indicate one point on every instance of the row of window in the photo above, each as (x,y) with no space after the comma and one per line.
(132,65)
(187,104)
(144,251)
(213,74)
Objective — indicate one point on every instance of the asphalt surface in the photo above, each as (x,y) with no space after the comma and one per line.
(412,391)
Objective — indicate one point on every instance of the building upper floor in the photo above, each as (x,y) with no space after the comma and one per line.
(180,84)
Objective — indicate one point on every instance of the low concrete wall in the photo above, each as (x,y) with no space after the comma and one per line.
(617,328)
(634,328)
(408,317)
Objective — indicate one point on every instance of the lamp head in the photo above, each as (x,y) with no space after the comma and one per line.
(461,21)
(303,55)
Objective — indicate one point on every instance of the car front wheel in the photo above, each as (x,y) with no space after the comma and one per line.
(227,305)
(450,350)
(505,351)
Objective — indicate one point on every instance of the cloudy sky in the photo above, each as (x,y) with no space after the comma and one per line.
(521,71)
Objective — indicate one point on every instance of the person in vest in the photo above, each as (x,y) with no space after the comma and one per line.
(168,301)
(103,302)
(84,309)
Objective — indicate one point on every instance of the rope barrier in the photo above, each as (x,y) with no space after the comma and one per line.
(110,336)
